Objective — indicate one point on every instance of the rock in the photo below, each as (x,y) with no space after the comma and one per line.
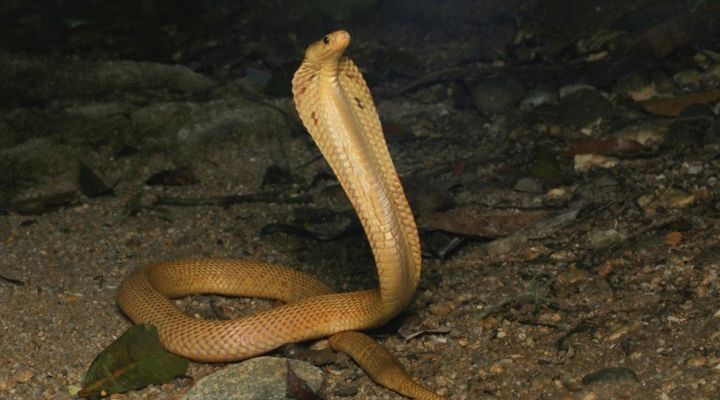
(585,162)
(572,275)
(687,78)
(182,128)
(33,78)
(583,107)
(495,96)
(600,239)
(670,198)
(529,185)
(547,167)
(539,96)
(647,133)
(635,87)
(262,378)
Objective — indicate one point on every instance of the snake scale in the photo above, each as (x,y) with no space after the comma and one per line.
(337,109)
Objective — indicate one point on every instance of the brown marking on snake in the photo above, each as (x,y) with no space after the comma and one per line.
(359,103)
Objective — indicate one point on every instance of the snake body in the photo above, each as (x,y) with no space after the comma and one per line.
(337,109)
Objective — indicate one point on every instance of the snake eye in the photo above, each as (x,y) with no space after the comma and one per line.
(326,40)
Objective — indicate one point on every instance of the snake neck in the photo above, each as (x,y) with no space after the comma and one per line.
(356,151)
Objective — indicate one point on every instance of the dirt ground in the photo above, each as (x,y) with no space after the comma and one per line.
(571,244)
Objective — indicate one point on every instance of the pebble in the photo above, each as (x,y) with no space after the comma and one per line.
(585,162)
(605,238)
(572,275)
(673,239)
(494,96)
(697,361)
(537,97)
(23,376)
(442,309)
(346,391)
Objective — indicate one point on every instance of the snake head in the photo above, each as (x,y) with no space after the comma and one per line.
(328,49)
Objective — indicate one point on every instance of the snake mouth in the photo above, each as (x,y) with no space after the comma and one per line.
(341,38)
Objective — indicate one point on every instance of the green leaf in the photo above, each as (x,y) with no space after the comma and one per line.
(136,359)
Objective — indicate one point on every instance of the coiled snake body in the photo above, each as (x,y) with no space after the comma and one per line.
(336,107)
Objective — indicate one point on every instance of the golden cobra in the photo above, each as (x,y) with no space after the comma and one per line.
(337,109)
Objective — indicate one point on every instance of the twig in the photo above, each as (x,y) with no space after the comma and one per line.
(266,197)
(13,281)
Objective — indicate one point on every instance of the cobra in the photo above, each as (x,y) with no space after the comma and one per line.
(336,107)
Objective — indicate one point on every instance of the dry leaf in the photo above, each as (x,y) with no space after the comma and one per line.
(613,145)
(673,106)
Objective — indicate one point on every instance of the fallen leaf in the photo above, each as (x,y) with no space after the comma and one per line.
(613,145)
(172,177)
(673,106)
(663,38)
(136,359)
(477,221)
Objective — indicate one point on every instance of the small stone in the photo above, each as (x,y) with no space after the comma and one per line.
(687,78)
(571,384)
(572,275)
(537,97)
(549,317)
(499,367)
(634,87)
(590,396)
(668,198)
(623,330)
(346,391)
(600,239)
(694,169)
(609,266)
(563,255)
(673,239)
(585,162)
(23,376)
(533,252)
(442,309)
(494,96)
(529,185)
(583,107)
(697,362)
